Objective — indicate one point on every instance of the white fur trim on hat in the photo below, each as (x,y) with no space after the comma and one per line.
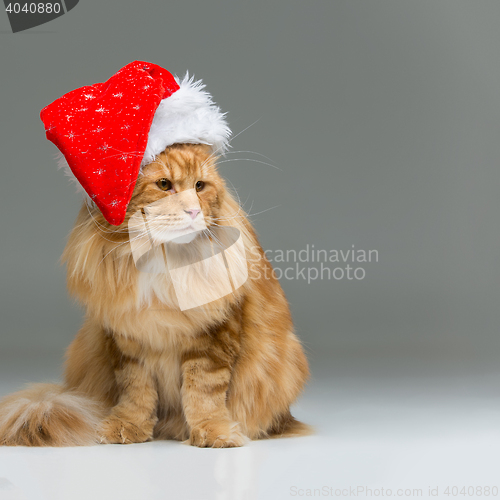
(189,115)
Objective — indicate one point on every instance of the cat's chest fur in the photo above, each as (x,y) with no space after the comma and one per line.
(164,333)
(167,371)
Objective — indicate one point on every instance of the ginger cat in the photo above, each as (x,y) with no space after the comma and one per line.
(141,368)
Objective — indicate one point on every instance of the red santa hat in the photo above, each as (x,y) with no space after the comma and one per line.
(109,130)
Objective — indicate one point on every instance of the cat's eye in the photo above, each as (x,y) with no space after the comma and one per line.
(200,185)
(164,184)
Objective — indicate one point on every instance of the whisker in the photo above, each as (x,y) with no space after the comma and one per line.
(249,159)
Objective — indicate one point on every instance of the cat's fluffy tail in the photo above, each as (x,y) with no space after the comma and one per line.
(49,415)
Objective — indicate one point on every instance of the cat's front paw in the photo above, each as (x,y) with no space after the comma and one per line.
(216,433)
(116,430)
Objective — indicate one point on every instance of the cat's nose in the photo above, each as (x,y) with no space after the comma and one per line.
(193,212)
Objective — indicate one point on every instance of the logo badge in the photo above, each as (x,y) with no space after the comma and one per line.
(24,15)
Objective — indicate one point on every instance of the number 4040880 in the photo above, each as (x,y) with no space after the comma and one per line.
(34,8)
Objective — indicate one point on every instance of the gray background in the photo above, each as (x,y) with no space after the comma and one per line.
(384,118)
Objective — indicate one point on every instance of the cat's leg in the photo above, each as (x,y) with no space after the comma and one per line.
(271,369)
(134,417)
(206,373)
